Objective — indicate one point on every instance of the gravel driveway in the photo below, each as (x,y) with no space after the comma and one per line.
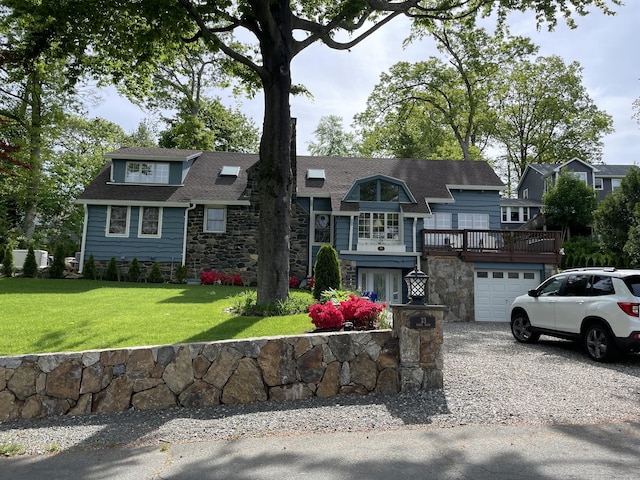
(489,379)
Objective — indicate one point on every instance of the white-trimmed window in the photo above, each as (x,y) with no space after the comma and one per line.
(215,219)
(582,176)
(525,193)
(515,214)
(598,183)
(473,221)
(615,184)
(379,226)
(118,221)
(151,172)
(438,221)
(150,222)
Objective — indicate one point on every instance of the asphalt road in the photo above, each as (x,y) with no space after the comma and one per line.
(465,452)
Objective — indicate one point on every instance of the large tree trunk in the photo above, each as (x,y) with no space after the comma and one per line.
(35,156)
(275,182)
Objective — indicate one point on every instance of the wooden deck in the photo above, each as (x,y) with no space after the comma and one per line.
(525,246)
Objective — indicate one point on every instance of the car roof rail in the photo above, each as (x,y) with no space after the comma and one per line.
(585,269)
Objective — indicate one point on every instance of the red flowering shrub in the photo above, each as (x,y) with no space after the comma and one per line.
(359,310)
(210,277)
(294,282)
(325,315)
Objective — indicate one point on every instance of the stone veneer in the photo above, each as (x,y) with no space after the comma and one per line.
(236,250)
(199,374)
(451,284)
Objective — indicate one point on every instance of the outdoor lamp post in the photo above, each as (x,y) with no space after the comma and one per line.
(416,281)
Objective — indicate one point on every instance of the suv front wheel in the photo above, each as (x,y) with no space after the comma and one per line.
(599,343)
(521,328)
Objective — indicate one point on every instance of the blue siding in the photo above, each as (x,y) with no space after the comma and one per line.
(473,202)
(341,233)
(164,249)
(119,168)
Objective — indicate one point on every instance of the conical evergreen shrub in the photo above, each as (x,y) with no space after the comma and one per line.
(30,267)
(326,271)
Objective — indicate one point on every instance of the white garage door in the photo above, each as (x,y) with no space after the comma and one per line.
(496,289)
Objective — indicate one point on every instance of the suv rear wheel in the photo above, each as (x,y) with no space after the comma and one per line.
(521,329)
(599,343)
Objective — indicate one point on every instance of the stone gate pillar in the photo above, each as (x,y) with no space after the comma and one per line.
(419,331)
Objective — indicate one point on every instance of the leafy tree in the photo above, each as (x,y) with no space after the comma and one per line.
(30,267)
(453,91)
(618,215)
(545,114)
(332,140)
(570,204)
(75,159)
(326,272)
(145,31)
(34,92)
(214,127)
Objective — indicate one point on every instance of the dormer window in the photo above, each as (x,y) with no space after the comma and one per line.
(379,191)
(147,172)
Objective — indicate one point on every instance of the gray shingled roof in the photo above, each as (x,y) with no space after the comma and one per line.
(426,179)
(603,170)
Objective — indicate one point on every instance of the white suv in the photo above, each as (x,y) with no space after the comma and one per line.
(599,307)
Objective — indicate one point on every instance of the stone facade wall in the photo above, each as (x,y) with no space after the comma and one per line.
(199,375)
(236,250)
(451,284)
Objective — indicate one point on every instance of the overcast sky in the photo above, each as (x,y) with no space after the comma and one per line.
(341,81)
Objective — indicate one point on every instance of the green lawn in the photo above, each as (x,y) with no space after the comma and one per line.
(45,315)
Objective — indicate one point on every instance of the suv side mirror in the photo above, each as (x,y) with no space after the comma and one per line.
(533,293)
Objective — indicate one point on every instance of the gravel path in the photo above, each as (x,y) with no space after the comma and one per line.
(489,379)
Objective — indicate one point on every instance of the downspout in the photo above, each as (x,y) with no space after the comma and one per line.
(312,227)
(84,238)
(184,237)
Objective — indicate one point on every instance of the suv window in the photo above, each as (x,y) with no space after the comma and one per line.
(577,285)
(552,287)
(633,282)
(602,285)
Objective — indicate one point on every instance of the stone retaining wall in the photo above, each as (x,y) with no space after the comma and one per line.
(199,375)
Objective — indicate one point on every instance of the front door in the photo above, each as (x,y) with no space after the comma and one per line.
(385,283)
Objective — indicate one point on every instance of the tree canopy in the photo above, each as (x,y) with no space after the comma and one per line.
(617,219)
(569,204)
(115,36)
(332,140)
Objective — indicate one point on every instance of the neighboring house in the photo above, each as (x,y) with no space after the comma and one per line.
(383,216)
(539,177)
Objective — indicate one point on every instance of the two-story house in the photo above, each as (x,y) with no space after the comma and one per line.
(384,216)
(539,177)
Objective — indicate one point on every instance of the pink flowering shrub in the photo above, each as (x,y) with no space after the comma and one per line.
(294,282)
(359,310)
(211,277)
